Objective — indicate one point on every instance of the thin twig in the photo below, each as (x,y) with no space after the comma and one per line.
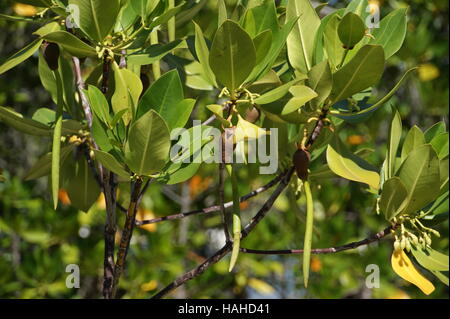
(211,209)
(80,87)
(126,234)
(286,176)
(376,237)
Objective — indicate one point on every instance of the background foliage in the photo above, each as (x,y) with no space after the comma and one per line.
(36,243)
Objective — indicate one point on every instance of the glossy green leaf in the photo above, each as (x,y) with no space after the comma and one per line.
(128,88)
(332,44)
(351,30)
(420,174)
(413,140)
(358,7)
(439,275)
(43,165)
(377,104)
(434,130)
(99,104)
(97,17)
(440,145)
(275,94)
(232,55)
(430,258)
(222,12)
(262,42)
(147,147)
(395,135)
(20,56)
(165,96)
(202,52)
(181,174)
(111,163)
(71,44)
(301,95)
(25,125)
(153,53)
(166,16)
(363,71)
(320,81)
(82,188)
(347,165)
(393,197)
(300,42)
(261,18)
(391,33)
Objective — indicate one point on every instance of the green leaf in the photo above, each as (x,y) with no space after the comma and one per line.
(332,44)
(351,30)
(222,12)
(378,104)
(166,16)
(27,126)
(164,96)
(153,53)
(434,130)
(82,188)
(301,95)
(20,56)
(179,114)
(184,172)
(430,258)
(363,71)
(111,163)
(202,51)
(358,7)
(391,33)
(278,42)
(71,44)
(128,88)
(440,145)
(420,174)
(261,18)
(413,139)
(97,17)
(275,94)
(56,142)
(393,197)
(232,55)
(395,135)
(347,165)
(443,172)
(99,104)
(144,7)
(147,147)
(262,42)
(443,278)
(100,134)
(320,80)
(43,165)
(300,42)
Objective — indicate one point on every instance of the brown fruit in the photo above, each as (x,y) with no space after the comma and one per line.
(51,55)
(301,160)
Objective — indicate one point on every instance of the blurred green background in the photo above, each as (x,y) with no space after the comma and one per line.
(37,243)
